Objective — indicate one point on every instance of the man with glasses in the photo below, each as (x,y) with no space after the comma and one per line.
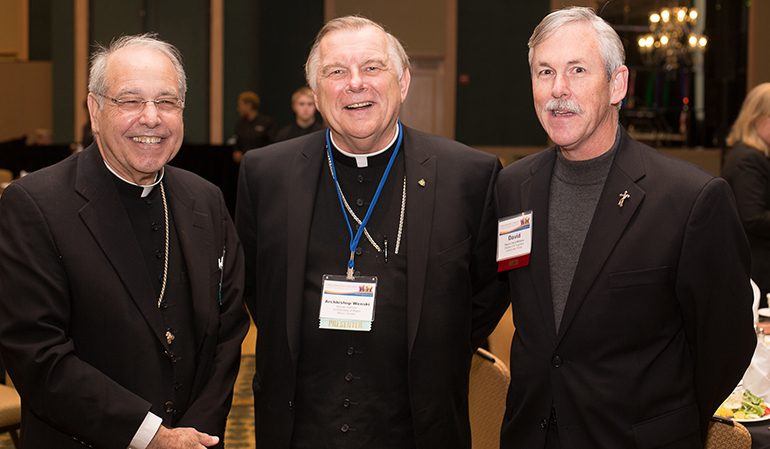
(121,314)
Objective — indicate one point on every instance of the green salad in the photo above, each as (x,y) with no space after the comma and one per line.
(743,405)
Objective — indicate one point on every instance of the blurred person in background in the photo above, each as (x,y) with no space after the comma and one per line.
(747,170)
(254,129)
(305,122)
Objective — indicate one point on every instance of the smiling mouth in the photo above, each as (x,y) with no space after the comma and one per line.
(147,140)
(555,113)
(365,104)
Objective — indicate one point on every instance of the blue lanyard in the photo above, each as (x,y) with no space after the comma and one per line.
(354,239)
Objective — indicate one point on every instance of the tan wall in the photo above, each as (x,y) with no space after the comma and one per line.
(26,90)
(13,29)
(758,66)
(428,29)
(421,26)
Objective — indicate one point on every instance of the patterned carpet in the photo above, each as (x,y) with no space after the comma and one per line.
(240,422)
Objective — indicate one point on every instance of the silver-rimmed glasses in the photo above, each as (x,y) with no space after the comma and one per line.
(135,105)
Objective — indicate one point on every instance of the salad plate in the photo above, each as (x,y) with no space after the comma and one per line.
(745,407)
(761,418)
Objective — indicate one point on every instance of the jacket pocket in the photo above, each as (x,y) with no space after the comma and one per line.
(638,277)
(455,252)
(669,428)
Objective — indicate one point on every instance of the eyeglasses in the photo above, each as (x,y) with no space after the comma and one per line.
(135,105)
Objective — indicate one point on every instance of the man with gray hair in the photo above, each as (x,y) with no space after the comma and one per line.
(633,305)
(121,282)
(370,262)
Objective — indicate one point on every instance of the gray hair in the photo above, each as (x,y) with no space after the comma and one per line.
(396,51)
(610,46)
(98,76)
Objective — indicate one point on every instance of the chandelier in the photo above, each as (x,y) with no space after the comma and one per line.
(672,39)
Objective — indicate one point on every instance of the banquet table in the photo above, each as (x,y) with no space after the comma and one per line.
(760,434)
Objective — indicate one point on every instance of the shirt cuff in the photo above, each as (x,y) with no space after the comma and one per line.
(146,431)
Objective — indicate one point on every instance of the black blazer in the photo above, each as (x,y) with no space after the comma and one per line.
(657,328)
(452,269)
(82,343)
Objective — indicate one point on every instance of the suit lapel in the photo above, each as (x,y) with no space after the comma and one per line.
(608,223)
(420,198)
(540,186)
(194,239)
(106,218)
(304,176)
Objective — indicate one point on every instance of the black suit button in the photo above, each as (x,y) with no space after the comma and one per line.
(168,407)
(556,361)
(360,178)
(346,403)
(291,406)
(349,377)
(544,423)
(154,226)
(359,251)
(360,202)
(345,428)
(350,350)
(159,254)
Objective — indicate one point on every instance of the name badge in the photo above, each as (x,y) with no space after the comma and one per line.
(347,304)
(514,241)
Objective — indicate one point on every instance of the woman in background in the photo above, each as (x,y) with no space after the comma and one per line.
(747,170)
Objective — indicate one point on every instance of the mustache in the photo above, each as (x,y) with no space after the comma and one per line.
(562,105)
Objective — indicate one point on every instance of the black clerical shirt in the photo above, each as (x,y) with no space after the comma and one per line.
(148,222)
(352,388)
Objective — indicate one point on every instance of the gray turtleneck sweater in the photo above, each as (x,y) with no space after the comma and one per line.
(575,190)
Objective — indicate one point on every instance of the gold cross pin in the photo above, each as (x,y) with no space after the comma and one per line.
(623,197)
(169,337)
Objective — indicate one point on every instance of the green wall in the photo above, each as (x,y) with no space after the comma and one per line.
(496,107)
(51,37)
(183,23)
(266,43)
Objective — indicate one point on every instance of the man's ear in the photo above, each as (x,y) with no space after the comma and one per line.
(406,78)
(619,84)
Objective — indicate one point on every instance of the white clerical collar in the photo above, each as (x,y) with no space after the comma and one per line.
(146,189)
(362,159)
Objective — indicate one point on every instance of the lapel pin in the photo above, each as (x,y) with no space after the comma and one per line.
(623,197)
(421,182)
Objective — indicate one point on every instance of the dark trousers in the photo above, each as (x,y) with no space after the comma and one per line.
(552,435)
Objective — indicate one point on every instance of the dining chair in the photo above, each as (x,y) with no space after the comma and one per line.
(10,412)
(489,381)
(727,434)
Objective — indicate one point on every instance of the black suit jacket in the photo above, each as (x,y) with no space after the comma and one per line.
(80,331)
(657,328)
(451,226)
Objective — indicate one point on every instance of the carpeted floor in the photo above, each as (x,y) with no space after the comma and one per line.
(240,422)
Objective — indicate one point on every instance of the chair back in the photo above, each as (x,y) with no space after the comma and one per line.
(488,389)
(500,340)
(727,434)
(10,412)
